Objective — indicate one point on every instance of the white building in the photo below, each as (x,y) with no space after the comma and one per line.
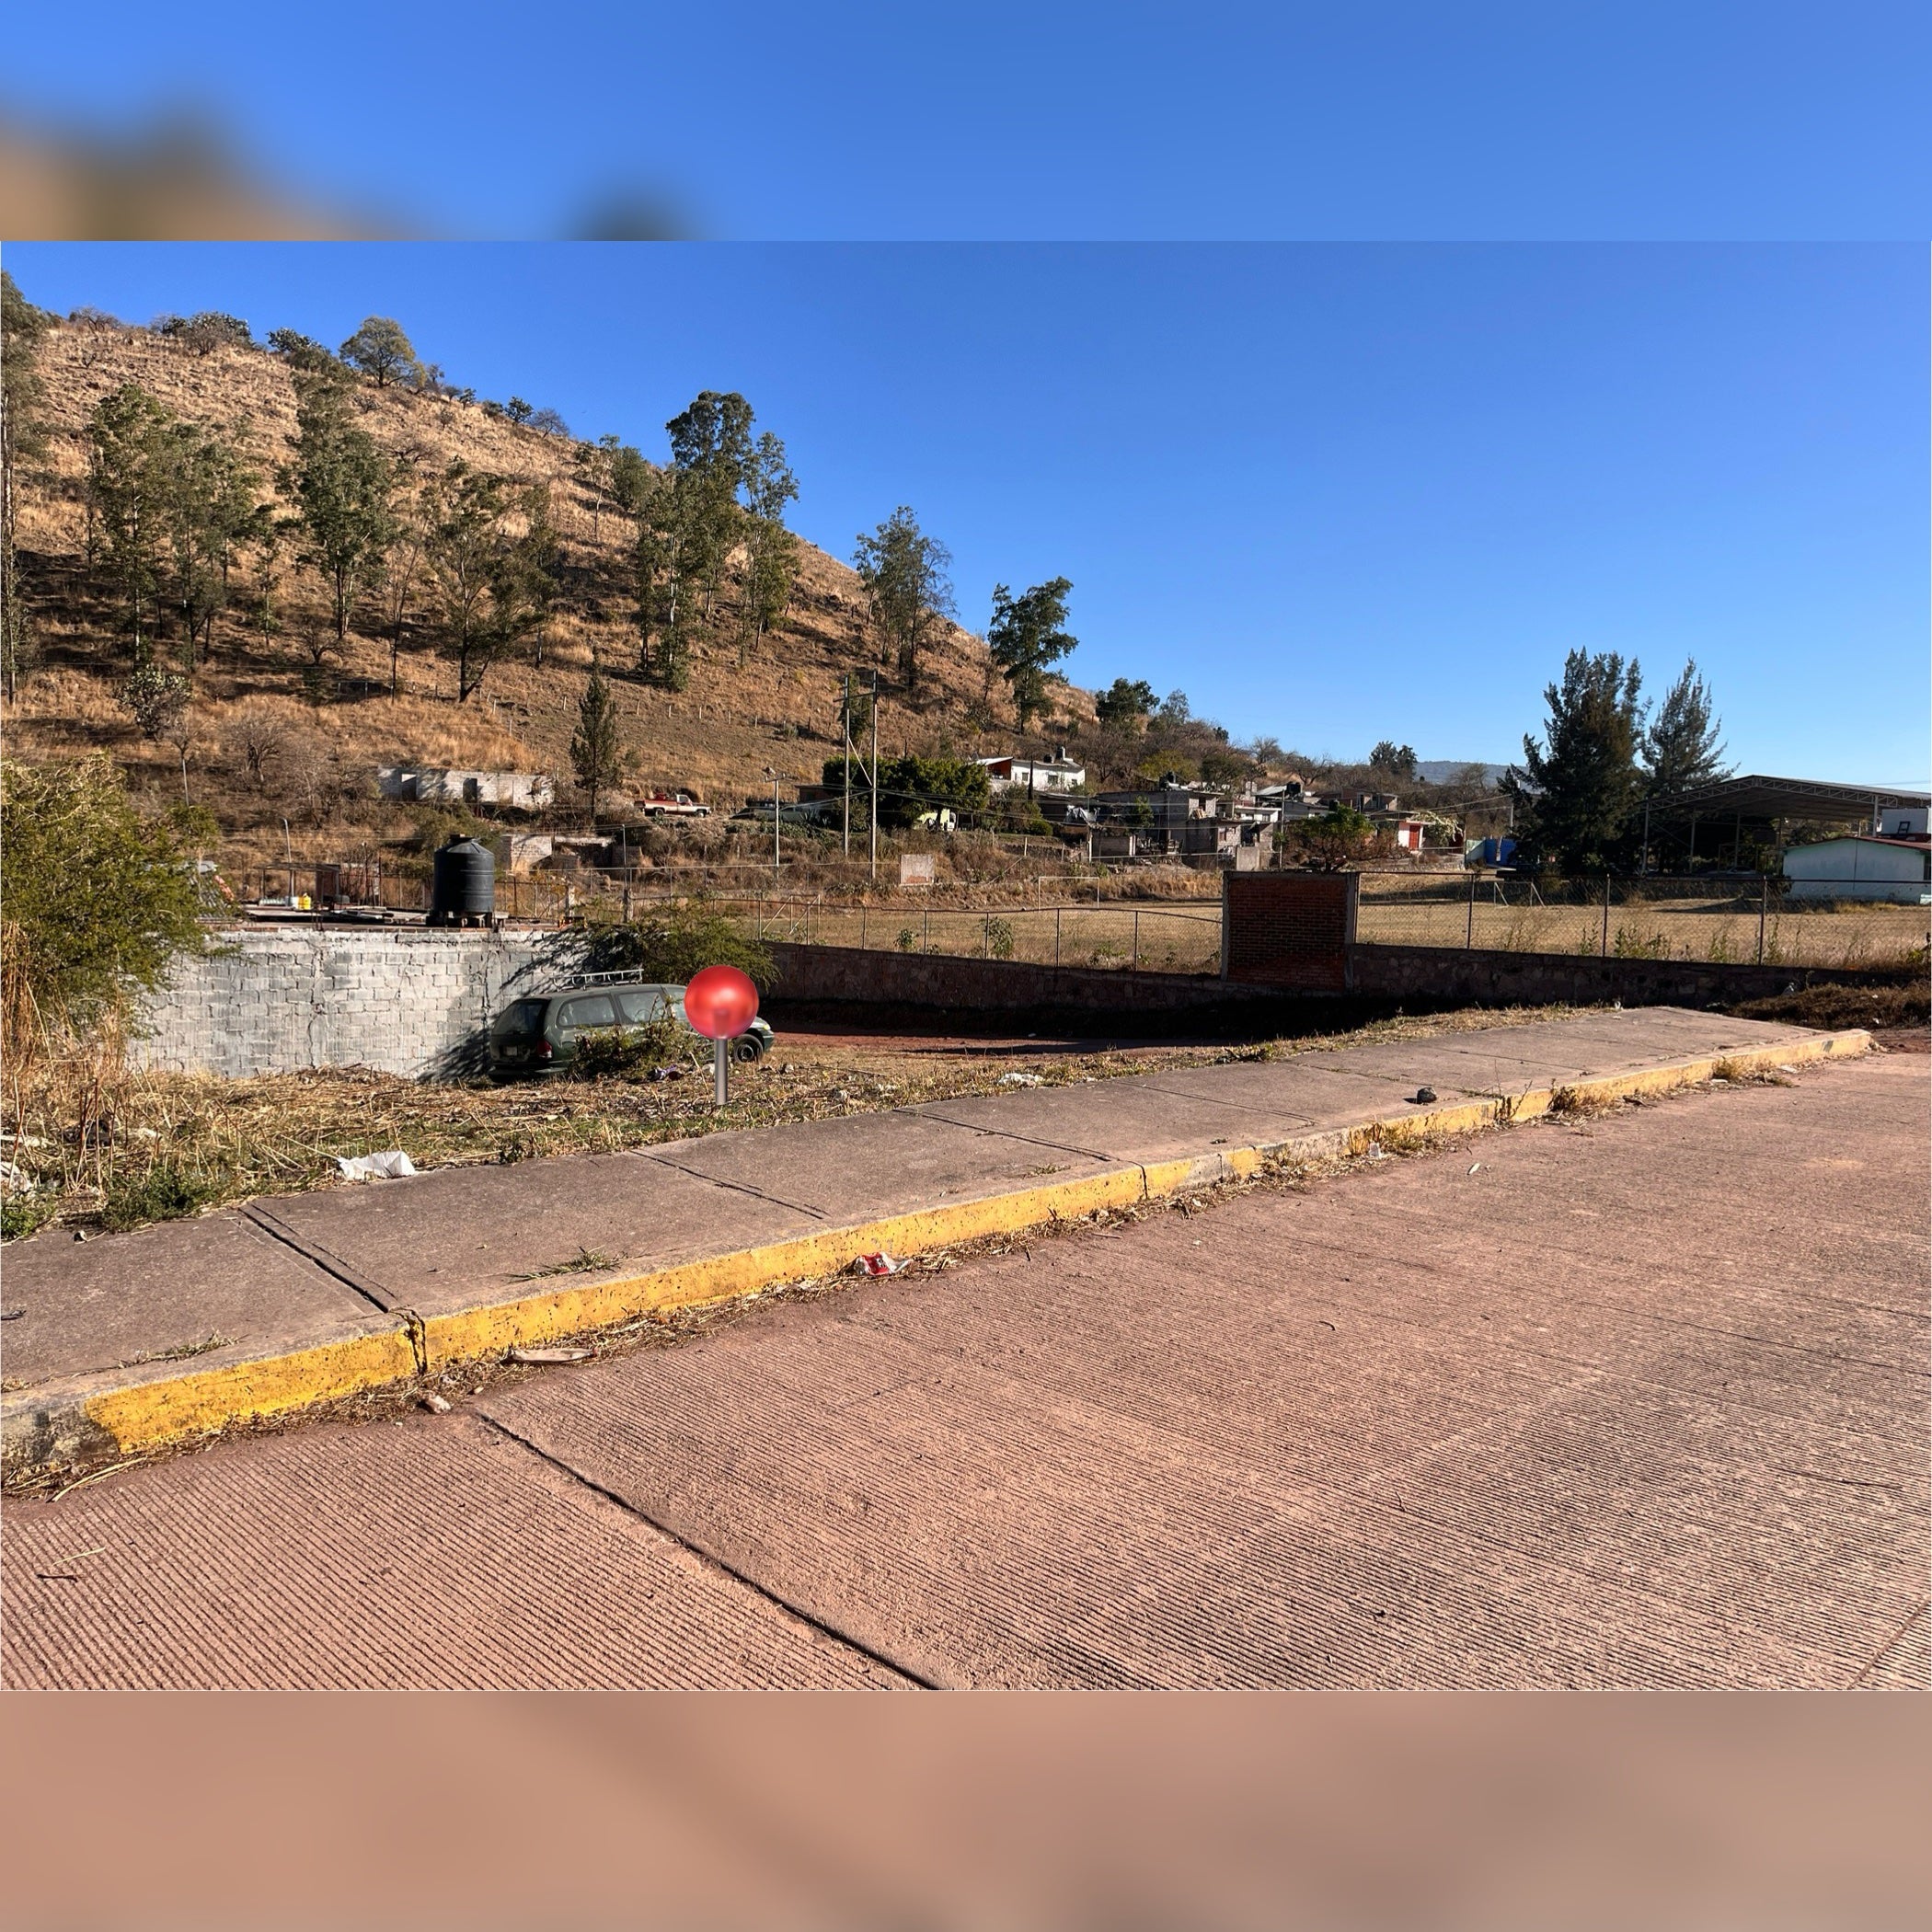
(1861,867)
(521,791)
(1901,822)
(1058,773)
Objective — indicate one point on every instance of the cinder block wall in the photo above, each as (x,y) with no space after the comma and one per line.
(1292,930)
(402,1002)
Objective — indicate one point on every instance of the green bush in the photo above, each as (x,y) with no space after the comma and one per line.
(999,939)
(22,1214)
(96,900)
(671,947)
(168,1191)
(624,1052)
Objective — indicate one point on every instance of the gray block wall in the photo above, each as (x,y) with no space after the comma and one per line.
(402,1002)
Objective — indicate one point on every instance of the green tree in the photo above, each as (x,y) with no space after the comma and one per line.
(303,352)
(476,570)
(96,900)
(536,565)
(131,450)
(1682,749)
(518,411)
(1340,838)
(907,589)
(1027,636)
(1126,704)
(154,699)
(1394,761)
(379,348)
(22,440)
(912,786)
(686,525)
(597,745)
(772,551)
(1576,791)
(213,509)
(343,486)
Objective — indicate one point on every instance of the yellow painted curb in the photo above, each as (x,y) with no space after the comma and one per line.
(156,1412)
(154,1415)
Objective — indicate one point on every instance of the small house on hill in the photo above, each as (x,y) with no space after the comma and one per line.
(513,791)
(1058,773)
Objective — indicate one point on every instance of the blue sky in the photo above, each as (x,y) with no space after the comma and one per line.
(1041,120)
(1335,492)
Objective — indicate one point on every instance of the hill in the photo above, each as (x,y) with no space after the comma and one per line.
(775,705)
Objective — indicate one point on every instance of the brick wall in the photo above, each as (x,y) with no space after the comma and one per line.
(402,1002)
(1293,930)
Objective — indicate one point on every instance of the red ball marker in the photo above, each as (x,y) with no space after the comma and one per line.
(721,1002)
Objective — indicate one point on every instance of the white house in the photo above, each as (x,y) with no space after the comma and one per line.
(1860,867)
(1058,773)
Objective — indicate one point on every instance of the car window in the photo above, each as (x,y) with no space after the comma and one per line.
(595,1011)
(525,1016)
(640,1005)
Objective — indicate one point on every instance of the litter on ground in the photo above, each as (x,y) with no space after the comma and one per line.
(876,1264)
(540,1357)
(391,1165)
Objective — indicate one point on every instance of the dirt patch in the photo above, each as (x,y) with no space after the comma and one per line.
(1897,1015)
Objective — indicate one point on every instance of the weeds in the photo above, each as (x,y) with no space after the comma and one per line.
(169,1191)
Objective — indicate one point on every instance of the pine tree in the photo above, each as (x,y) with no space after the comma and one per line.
(1682,751)
(1576,792)
(597,745)
(21,437)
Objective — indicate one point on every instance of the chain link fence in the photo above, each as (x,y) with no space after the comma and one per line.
(1741,920)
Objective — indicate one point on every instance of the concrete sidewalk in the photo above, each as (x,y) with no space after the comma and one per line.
(127,1343)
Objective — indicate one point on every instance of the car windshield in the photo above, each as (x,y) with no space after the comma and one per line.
(526,1017)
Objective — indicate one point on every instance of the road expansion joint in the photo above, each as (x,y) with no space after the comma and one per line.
(711,1561)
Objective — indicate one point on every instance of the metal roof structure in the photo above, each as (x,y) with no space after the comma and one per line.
(1759,797)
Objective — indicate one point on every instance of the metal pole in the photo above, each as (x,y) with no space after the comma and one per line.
(1133,965)
(861,928)
(925,930)
(1763,901)
(720,1060)
(986,939)
(875,778)
(1644,863)
(1606,915)
(1056,938)
(776,860)
(1471,942)
(847,724)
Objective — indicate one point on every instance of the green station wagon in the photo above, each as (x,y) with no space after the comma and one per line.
(539,1035)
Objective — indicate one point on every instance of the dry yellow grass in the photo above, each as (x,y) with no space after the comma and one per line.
(778,707)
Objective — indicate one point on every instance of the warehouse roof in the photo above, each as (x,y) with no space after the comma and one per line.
(1759,797)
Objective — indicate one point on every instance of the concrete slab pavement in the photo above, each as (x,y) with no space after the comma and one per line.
(371,1285)
(1311,1437)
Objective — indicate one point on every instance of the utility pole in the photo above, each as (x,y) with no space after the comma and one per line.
(847,728)
(771,773)
(875,778)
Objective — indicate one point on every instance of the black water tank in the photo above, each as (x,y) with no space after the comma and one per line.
(463,890)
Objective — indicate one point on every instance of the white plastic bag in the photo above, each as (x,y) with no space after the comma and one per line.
(391,1165)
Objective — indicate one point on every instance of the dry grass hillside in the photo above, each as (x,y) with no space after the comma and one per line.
(778,707)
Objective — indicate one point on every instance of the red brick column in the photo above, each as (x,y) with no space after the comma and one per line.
(1291,929)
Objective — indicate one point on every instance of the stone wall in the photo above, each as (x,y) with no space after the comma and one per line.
(404,1002)
(810,976)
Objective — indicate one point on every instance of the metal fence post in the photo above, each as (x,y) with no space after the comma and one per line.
(1470,943)
(1763,901)
(1134,963)
(986,939)
(925,930)
(1056,938)
(1606,915)
(861,928)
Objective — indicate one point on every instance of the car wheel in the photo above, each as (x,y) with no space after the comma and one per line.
(746,1048)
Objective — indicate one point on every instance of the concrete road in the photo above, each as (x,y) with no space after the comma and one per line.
(1633,1400)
